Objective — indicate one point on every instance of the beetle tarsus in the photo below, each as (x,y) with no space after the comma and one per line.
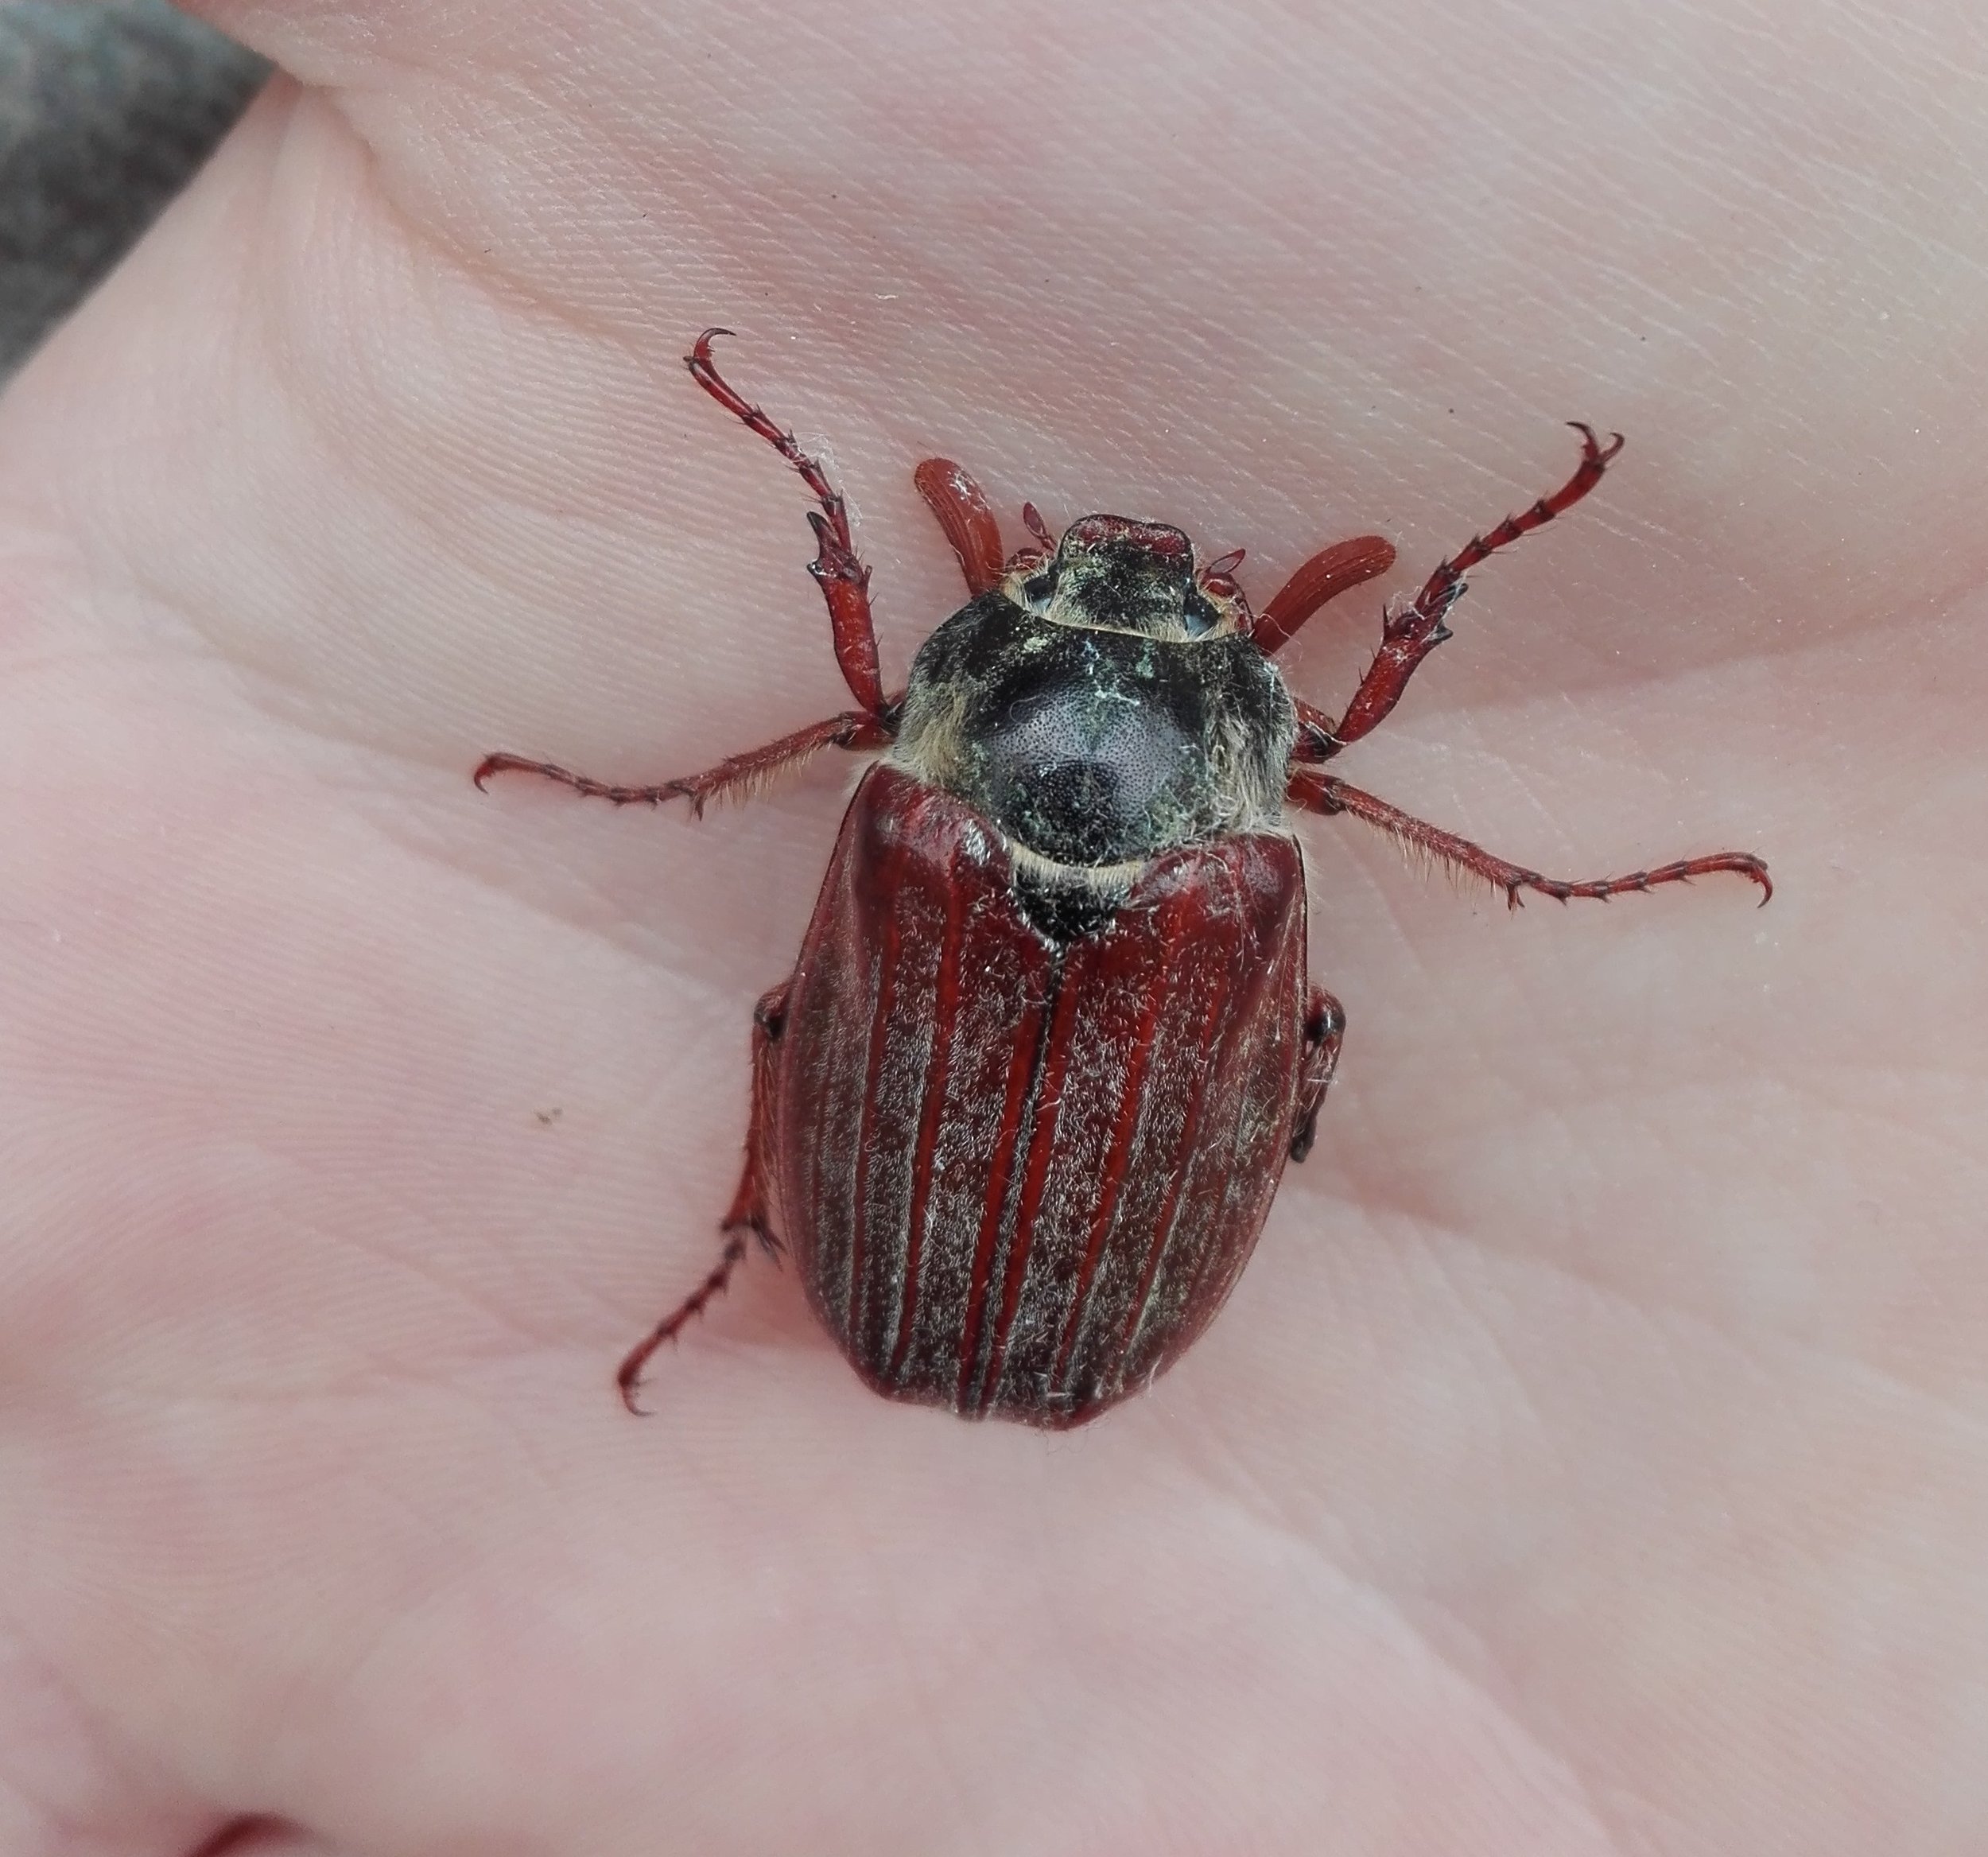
(1597,454)
(844,579)
(584,784)
(629,1379)
(1410,634)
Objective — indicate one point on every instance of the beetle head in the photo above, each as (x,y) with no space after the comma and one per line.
(1112,574)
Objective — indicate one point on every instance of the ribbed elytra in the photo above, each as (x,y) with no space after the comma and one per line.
(1058,1170)
(1020,1110)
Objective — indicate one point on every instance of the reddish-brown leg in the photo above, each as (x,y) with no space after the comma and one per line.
(1327,575)
(1316,742)
(738,774)
(844,579)
(1325,1031)
(1321,793)
(1411,635)
(956,499)
(751,1209)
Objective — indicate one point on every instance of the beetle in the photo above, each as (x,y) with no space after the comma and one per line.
(1021,1108)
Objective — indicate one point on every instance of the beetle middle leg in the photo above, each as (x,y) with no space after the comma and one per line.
(751,1207)
(1321,793)
(739,774)
(1408,636)
(1325,1031)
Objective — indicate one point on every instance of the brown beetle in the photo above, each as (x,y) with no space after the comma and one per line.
(1021,1108)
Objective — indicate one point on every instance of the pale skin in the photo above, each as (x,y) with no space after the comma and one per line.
(1593,1459)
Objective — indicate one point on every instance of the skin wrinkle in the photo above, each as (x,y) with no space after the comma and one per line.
(1535,788)
(1485,1321)
(404,1258)
(718,995)
(932,1709)
(1596,1793)
(619,934)
(66,1828)
(501,289)
(431,528)
(1508,1697)
(359,1652)
(403,1253)
(656,382)
(1402,918)
(1654,1313)
(1267,1514)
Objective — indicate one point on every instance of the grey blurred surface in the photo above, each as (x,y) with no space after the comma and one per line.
(105,110)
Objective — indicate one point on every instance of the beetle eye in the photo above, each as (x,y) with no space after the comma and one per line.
(1037,590)
(1198,617)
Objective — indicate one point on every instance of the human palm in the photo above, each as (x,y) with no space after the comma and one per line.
(1591,1459)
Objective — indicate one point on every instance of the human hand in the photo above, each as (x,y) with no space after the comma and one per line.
(1590,1459)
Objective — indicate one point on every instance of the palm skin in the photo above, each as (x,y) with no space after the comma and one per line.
(1592,1458)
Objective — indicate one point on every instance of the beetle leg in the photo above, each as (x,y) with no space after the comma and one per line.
(629,1379)
(1321,793)
(1324,1028)
(750,1210)
(751,1206)
(844,579)
(1409,635)
(956,499)
(1316,741)
(738,775)
(1329,573)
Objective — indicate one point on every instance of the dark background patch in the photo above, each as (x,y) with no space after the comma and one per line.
(105,111)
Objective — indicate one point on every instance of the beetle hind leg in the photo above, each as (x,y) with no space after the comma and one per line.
(629,1379)
(750,1205)
(1325,1031)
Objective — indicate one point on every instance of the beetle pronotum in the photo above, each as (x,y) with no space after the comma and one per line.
(1021,1108)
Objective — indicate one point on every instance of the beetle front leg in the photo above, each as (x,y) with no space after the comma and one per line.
(739,775)
(1321,793)
(844,579)
(1408,636)
(751,1206)
(1325,1031)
